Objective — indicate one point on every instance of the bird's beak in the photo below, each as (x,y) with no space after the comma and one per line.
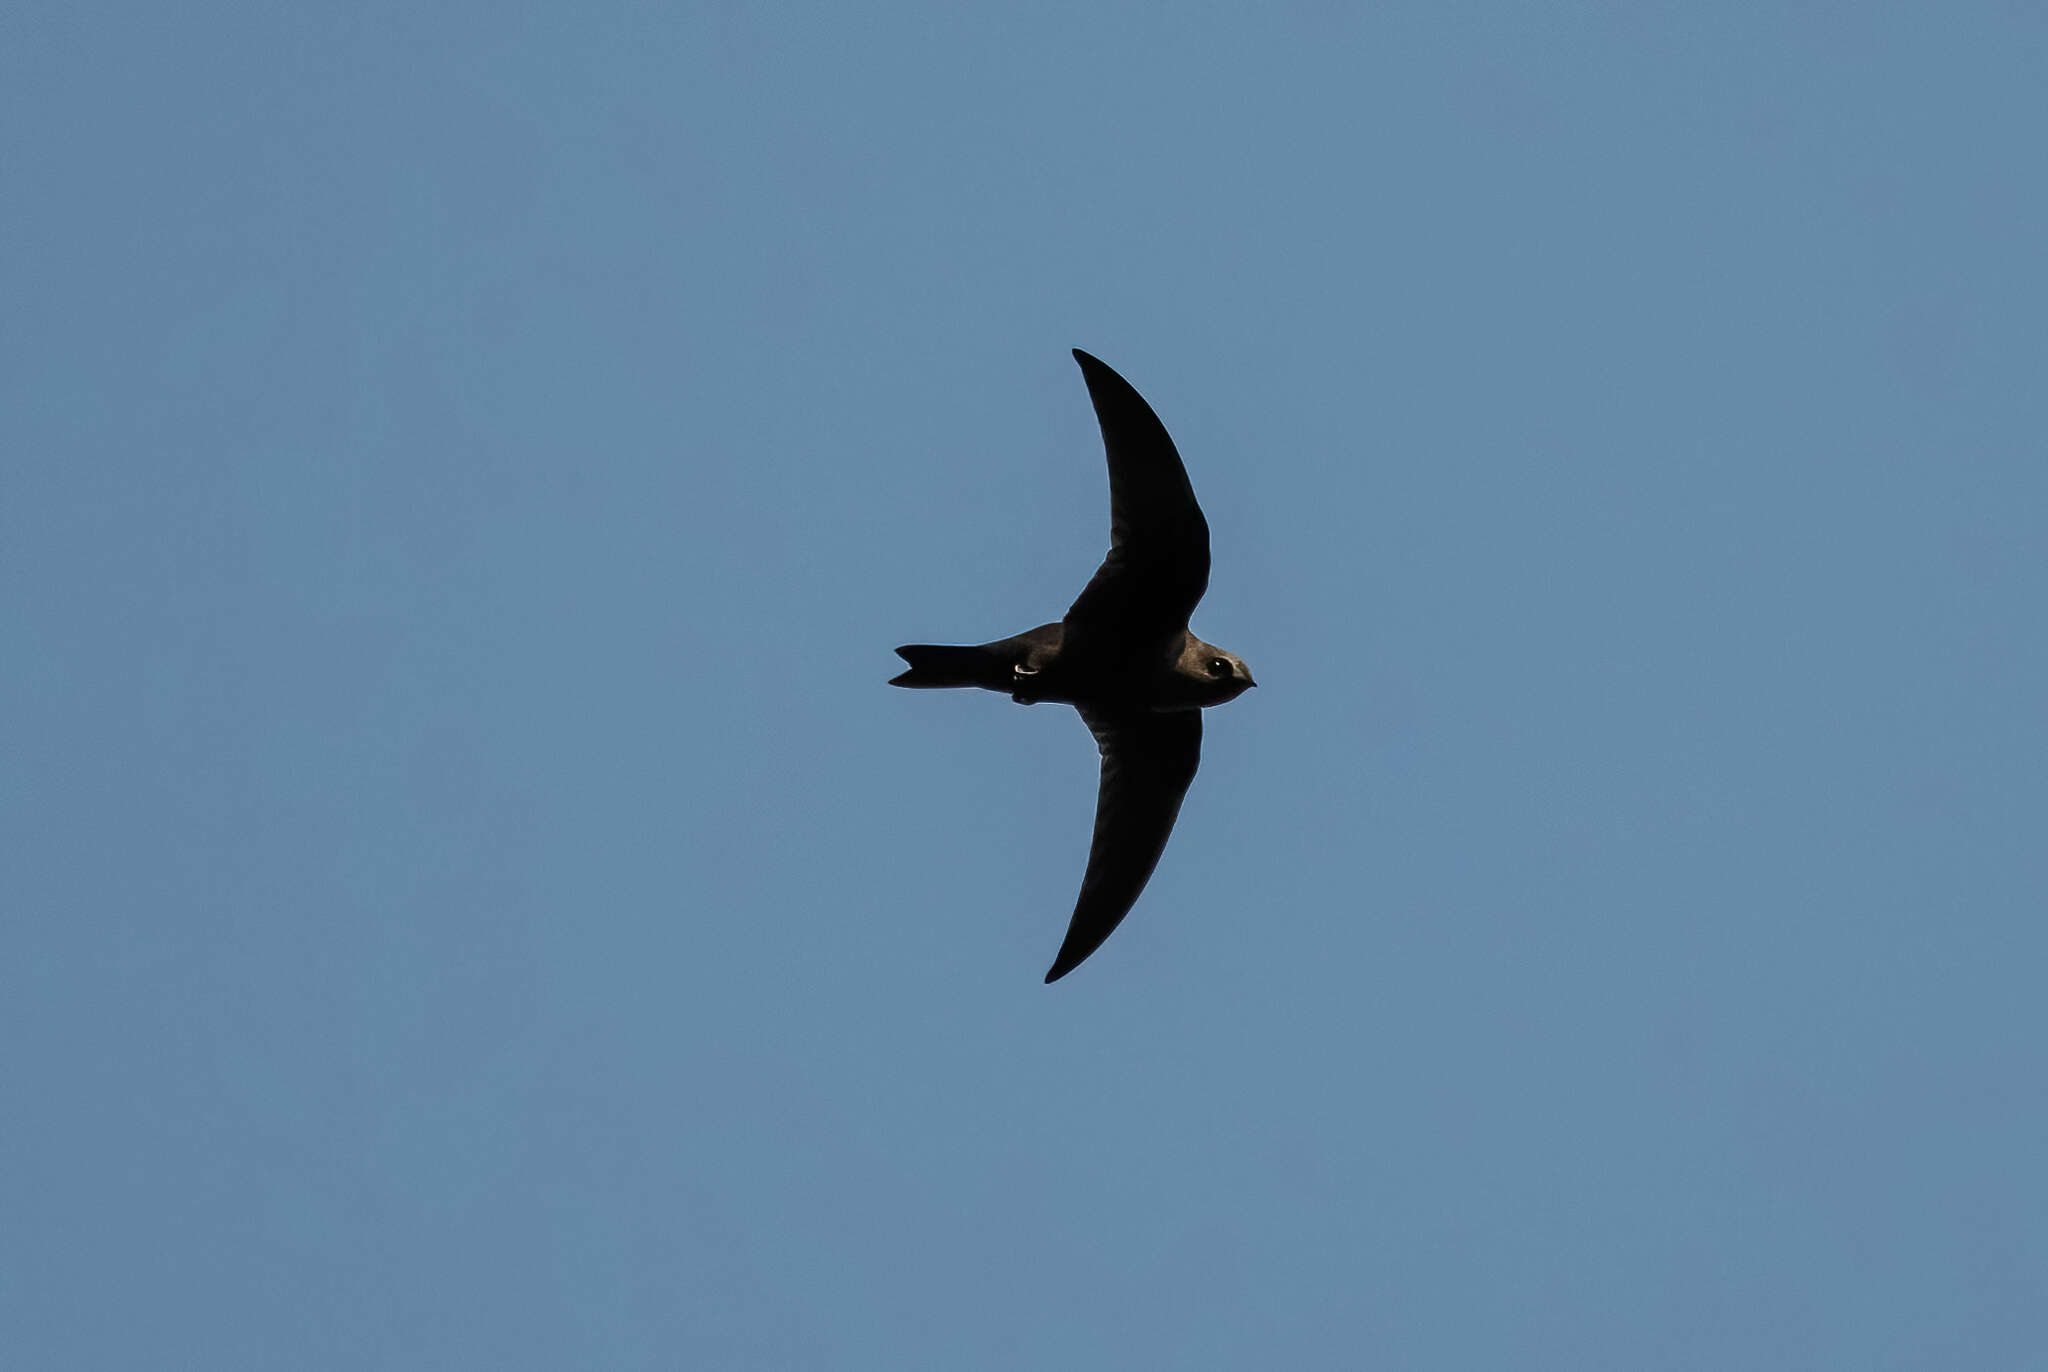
(1248,682)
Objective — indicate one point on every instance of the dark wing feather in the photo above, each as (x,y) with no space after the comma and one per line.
(1148,760)
(1158,563)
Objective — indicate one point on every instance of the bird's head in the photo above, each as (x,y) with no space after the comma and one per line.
(1218,674)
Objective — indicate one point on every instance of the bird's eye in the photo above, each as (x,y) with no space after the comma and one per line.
(1218,667)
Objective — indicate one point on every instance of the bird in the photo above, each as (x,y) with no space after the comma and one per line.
(1123,657)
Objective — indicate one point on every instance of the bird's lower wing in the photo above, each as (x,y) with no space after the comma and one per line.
(1148,760)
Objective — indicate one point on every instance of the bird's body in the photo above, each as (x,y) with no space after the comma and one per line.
(1123,657)
(1032,667)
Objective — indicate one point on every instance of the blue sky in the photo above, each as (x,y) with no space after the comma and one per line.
(473,901)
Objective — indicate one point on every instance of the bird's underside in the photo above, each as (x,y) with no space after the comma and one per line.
(1123,657)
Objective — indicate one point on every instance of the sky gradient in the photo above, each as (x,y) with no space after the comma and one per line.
(474,903)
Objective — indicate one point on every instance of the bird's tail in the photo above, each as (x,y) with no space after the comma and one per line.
(934,664)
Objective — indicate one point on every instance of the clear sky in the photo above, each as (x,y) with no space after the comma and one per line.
(472,901)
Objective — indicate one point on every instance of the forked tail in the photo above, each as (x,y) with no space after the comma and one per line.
(935,664)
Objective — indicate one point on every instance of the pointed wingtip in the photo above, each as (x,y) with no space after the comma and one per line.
(1066,962)
(1102,378)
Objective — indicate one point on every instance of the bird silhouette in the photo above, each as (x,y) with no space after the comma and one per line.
(1123,657)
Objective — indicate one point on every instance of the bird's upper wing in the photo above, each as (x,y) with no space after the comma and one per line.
(1158,563)
(1148,759)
